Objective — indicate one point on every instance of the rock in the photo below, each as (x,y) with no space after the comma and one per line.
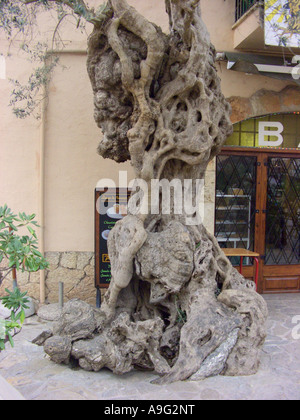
(290,97)
(208,326)
(59,349)
(31,310)
(4,312)
(69,260)
(265,101)
(89,271)
(241,108)
(85,289)
(83,259)
(50,312)
(77,321)
(244,358)
(70,278)
(166,260)
(94,354)
(214,364)
(53,259)
(41,338)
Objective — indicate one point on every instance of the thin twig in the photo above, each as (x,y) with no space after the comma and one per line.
(3,278)
(57,26)
(88,13)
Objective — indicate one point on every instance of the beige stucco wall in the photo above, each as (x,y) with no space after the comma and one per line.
(19,150)
(72,166)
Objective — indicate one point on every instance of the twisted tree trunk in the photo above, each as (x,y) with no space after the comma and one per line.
(175,304)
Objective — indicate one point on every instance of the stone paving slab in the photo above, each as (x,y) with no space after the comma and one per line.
(29,372)
(8,392)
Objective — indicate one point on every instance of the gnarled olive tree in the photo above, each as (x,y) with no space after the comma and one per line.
(175,303)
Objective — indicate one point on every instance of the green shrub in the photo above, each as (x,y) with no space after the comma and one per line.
(18,253)
(21,252)
(15,301)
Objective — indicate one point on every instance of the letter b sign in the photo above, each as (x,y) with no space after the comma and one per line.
(276,132)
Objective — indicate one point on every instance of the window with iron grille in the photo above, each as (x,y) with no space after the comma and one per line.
(283,212)
(235,201)
(242,6)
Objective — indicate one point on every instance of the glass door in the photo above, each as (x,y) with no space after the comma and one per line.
(258,208)
(236,202)
(283,212)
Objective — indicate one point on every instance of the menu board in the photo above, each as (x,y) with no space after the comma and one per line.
(110,207)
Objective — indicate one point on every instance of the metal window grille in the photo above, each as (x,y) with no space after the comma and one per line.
(242,6)
(235,201)
(283,212)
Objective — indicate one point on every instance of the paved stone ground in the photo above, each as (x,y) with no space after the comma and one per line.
(31,375)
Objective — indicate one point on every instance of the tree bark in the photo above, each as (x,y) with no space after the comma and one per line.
(175,303)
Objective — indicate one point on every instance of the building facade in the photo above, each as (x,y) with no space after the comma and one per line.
(50,166)
(257,174)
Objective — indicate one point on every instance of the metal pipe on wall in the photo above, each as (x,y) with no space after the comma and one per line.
(41,194)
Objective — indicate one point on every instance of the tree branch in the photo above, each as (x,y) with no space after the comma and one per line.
(78,6)
(2,278)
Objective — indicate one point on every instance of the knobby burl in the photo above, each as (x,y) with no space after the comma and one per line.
(175,303)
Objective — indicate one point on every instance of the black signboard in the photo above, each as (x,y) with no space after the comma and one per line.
(110,206)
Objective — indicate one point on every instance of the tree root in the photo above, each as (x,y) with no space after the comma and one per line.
(197,328)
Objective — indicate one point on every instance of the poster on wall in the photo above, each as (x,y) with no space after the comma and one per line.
(282,23)
(110,207)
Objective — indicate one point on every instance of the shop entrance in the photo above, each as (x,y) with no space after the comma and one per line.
(258,208)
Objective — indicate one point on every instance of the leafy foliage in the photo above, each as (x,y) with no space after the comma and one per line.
(181,315)
(13,16)
(16,302)
(17,20)
(20,251)
(25,97)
